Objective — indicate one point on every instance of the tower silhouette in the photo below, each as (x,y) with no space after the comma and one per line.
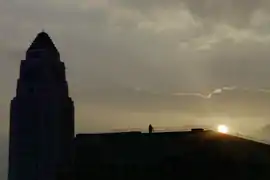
(41,115)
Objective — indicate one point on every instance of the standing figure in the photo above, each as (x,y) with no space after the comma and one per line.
(150,129)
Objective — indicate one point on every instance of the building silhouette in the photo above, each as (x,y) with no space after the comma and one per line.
(43,147)
(41,115)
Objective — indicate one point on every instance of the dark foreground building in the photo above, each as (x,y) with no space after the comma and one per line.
(43,146)
(169,155)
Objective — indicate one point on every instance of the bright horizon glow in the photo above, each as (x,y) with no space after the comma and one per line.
(223,129)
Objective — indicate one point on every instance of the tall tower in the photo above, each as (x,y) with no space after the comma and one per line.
(41,115)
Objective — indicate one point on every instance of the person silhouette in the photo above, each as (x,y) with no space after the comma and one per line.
(150,128)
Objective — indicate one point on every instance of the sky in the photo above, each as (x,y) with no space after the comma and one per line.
(133,62)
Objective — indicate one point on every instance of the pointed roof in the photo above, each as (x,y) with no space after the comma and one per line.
(43,41)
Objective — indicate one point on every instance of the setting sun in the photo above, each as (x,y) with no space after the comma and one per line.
(222,129)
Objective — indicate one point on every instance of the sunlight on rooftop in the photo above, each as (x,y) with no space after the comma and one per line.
(223,129)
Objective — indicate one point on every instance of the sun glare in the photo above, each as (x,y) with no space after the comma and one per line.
(223,129)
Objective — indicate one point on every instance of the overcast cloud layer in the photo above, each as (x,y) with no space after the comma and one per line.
(131,62)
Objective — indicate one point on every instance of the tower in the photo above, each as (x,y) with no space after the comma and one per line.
(41,115)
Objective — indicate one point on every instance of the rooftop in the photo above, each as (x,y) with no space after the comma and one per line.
(195,153)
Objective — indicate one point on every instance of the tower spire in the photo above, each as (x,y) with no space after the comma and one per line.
(43,42)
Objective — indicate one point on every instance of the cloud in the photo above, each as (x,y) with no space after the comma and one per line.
(207,96)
